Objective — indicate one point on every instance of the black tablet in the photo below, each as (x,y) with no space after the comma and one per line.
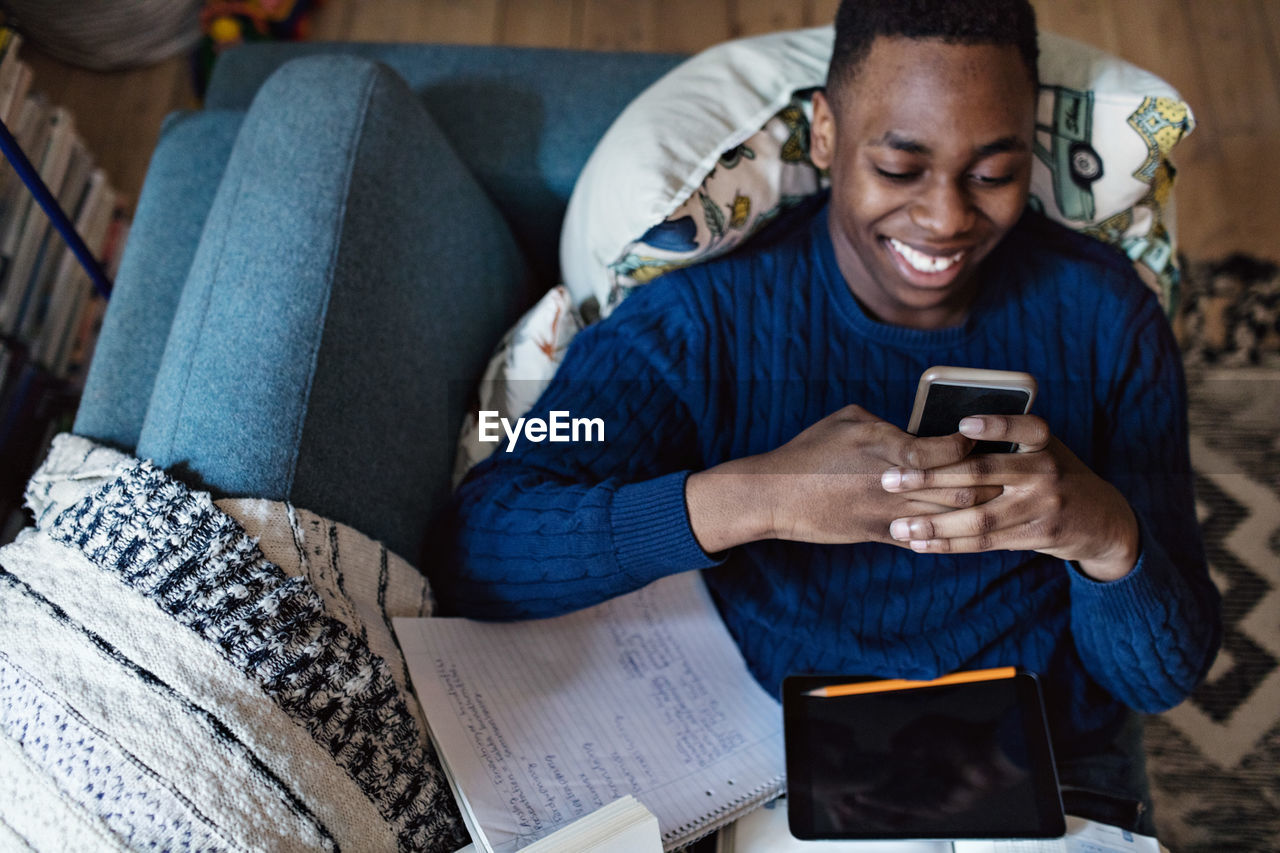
(967,756)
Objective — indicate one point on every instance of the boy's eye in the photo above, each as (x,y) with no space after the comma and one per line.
(895,176)
(992,180)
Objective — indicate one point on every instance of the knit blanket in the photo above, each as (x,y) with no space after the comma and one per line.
(180,674)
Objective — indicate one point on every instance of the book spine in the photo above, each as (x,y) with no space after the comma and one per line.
(43,281)
(10,74)
(51,170)
(35,140)
(73,361)
(71,283)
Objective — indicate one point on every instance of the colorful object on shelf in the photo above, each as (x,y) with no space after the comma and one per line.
(228,23)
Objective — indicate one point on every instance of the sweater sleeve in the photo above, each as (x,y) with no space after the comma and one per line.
(549,527)
(1150,636)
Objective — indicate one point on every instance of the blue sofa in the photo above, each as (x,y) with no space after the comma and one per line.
(226,354)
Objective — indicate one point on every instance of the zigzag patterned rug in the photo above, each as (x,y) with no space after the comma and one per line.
(1214,761)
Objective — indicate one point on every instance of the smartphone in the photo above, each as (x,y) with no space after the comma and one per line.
(946,395)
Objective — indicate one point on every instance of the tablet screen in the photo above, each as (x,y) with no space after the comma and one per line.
(968,760)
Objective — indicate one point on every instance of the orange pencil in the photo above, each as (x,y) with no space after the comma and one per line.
(903,684)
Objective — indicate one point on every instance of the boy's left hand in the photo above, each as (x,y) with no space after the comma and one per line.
(1051,502)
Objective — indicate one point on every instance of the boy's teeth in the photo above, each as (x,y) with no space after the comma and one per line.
(922,262)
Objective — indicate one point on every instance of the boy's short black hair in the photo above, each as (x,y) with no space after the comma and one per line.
(859,22)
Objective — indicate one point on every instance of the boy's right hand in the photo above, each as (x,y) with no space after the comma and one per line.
(824,485)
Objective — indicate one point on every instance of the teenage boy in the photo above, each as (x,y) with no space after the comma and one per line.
(754,406)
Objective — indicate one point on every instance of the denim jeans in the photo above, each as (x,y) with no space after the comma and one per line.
(1110,784)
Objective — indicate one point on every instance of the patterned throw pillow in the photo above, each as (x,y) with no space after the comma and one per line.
(694,165)
(749,186)
(719,146)
(525,360)
(1104,131)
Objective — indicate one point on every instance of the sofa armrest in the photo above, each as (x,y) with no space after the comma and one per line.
(185,170)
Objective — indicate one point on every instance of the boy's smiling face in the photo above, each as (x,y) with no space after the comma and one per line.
(929,151)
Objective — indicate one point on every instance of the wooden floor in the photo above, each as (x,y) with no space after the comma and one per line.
(1223,55)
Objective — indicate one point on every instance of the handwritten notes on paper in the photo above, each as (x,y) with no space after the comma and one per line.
(541,723)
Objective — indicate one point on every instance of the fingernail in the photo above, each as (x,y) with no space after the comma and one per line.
(891,479)
(900,529)
(971,426)
(919,544)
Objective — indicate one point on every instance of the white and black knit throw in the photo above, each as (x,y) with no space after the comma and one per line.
(164,685)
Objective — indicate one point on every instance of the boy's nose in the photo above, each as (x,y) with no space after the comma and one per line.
(943,210)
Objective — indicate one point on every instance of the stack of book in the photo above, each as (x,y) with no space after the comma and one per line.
(49,311)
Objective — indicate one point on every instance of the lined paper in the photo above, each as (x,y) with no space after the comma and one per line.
(543,722)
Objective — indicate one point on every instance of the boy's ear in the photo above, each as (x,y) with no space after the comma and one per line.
(822,132)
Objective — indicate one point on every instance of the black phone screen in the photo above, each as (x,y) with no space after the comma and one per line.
(949,761)
(946,405)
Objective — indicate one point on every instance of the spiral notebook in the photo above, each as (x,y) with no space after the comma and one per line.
(541,723)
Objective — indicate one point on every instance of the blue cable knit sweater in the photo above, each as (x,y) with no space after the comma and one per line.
(737,356)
